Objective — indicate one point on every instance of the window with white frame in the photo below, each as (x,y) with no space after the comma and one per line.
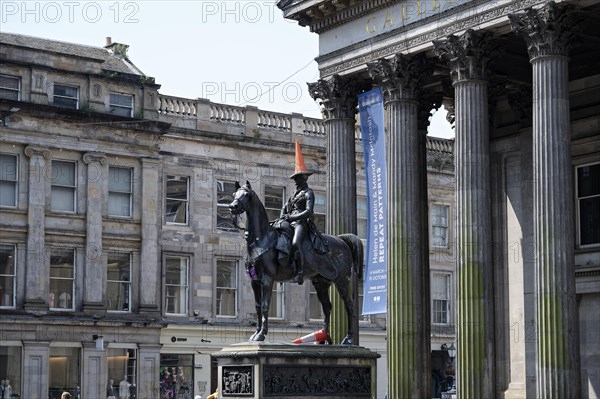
(121,362)
(62,279)
(227,287)
(277,309)
(361,216)
(119,191)
(66,96)
(7,275)
(8,180)
(177,202)
(439,226)
(440,298)
(315,310)
(121,104)
(319,210)
(64,186)
(176,285)
(274,200)
(588,205)
(10,87)
(118,281)
(225,190)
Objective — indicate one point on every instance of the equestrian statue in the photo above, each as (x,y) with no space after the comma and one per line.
(291,249)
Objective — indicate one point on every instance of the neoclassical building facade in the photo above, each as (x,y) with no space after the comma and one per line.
(119,263)
(520,81)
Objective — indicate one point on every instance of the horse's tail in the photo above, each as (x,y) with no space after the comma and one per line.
(356,246)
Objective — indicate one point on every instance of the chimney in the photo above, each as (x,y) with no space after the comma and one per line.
(118,49)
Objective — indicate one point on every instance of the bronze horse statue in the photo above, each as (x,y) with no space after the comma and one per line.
(344,257)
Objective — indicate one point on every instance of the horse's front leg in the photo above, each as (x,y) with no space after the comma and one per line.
(257,290)
(267,288)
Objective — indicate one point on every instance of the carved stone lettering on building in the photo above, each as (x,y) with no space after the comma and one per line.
(280,380)
(238,381)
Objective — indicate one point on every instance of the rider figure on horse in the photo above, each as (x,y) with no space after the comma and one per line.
(299,213)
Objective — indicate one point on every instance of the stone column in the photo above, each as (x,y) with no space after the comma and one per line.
(36,274)
(150,265)
(338,97)
(408,338)
(94,271)
(149,371)
(35,369)
(548,32)
(467,58)
(94,371)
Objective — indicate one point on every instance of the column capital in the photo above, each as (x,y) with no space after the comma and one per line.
(90,157)
(427,102)
(549,30)
(467,55)
(400,77)
(338,97)
(32,151)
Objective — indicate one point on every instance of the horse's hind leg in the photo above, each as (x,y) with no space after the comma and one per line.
(343,289)
(257,290)
(322,288)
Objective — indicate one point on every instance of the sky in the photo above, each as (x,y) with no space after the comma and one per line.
(233,52)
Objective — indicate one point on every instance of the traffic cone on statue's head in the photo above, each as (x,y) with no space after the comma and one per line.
(300,166)
(317,336)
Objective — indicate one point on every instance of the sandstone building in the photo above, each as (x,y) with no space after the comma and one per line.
(119,263)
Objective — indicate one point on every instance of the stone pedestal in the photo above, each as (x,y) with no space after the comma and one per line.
(264,370)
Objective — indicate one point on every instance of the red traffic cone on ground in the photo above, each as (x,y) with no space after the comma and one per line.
(317,336)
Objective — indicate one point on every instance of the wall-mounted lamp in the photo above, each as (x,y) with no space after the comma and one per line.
(99,341)
(6,115)
(451,350)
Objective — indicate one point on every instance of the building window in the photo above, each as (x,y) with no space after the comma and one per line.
(7,276)
(176,285)
(439,226)
(361,217)
(319,210)
(274,201)
(66,96)
(177,199)
(10,371)
(315,309)
(118,281)
(64,186)
(227,287)
(10,87)
(63,372)
(62,279)
(176,376)
(121,104)
(277,309)
(119,191)
(440,293)
(588,205)
(122,365)
(225,190)
(8,180)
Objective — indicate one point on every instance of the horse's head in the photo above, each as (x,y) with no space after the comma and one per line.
(242,198)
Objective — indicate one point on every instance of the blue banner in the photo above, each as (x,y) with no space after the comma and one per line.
(370,105)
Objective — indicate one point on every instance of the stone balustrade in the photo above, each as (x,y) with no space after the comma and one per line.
(181,110)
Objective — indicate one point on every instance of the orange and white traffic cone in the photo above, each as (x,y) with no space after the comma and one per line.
(317,336)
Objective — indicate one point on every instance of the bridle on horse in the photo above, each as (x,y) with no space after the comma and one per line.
(243,205)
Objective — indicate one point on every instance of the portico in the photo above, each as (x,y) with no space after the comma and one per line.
(520,88)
